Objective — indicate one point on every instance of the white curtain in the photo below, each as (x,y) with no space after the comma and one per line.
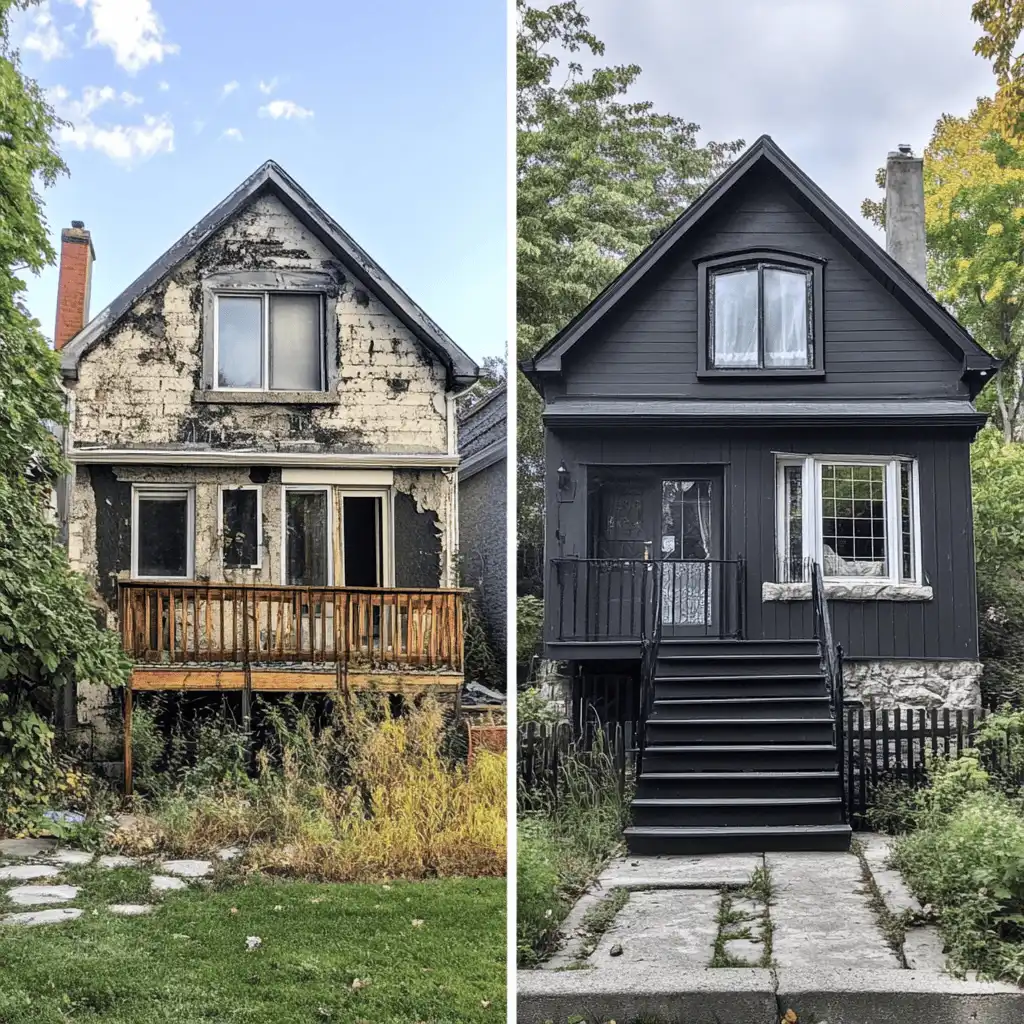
(686,585)
(785,317)
(735,340)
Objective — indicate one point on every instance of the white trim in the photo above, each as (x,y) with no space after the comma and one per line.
(813,541)
(385,571)
(340,477)
(258,488)
(189,492)
(243,457)
(264,295)
(285,491)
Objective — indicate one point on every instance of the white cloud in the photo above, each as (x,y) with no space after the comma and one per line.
(268,87)
(43,38)
(131,29)
(228,88)
(286,109)
(234,134)
(125,144)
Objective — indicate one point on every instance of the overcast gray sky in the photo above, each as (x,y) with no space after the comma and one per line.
(836,83)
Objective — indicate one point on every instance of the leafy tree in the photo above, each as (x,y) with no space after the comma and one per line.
(598,178)
(1002,22)
(974,218)
(48,630)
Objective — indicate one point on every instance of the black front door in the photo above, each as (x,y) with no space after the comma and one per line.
(672,516)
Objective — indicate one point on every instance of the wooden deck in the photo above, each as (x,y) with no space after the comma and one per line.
(223,637)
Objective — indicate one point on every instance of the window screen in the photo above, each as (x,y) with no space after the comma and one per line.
(240,518)
(163,540)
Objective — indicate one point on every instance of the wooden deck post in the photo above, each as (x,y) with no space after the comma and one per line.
(128,740)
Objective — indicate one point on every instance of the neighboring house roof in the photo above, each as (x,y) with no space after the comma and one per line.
(273,179)
(483,447)
(977,364)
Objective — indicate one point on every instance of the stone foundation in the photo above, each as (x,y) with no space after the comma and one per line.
(914,684)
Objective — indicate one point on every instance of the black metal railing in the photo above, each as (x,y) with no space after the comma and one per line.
(606,599)
(650,641)
(831,655)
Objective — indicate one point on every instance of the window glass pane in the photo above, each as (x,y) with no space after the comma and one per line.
(853,520)
(295,342)
(734,318)
(786,295)
(793,497)
(241,528)
(239,341)
(306,538)
(163,534)
(906,519)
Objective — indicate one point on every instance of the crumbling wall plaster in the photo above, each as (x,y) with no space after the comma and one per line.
(139,384)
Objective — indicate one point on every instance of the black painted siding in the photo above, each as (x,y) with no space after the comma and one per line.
(874,347)
(945,627)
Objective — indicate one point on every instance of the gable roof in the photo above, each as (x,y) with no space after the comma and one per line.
(271,178)
(977,364)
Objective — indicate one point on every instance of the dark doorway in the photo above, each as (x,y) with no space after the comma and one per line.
(363,543)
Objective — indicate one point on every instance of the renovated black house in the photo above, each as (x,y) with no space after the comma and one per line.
(757,452)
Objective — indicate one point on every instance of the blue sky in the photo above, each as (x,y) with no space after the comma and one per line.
(391,114)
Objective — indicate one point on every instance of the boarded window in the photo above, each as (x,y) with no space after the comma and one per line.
(240,522)
(162,534)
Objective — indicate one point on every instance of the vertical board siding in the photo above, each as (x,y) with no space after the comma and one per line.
(945,627)
(874,347)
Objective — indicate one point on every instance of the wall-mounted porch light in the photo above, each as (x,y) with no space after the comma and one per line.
(563,476)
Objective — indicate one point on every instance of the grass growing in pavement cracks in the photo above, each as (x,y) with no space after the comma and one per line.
(894,926)
(734,924)
(598,919)
(410,951)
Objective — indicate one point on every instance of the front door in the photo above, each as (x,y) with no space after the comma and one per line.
(673,517)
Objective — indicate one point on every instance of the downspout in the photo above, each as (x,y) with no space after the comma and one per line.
(451,399)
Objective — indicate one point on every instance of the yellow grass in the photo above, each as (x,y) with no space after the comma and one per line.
(370,798)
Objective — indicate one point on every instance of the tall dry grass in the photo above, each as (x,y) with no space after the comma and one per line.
(370,796)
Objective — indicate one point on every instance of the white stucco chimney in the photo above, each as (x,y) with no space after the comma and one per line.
(904,212)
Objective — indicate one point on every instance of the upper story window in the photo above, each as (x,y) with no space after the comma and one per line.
(760,313)
(269,341)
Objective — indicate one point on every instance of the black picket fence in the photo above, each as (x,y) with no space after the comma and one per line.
(551,757)
(881,747)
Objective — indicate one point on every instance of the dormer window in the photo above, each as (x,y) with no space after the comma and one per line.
(760,313)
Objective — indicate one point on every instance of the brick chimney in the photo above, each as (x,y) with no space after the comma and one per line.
(75,282)
(904,212)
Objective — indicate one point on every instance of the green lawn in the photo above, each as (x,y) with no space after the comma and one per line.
(187,963)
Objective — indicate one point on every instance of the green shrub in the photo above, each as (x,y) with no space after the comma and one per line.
(894,808)
(532,707)
(969,863)
(529,627)
(540,902)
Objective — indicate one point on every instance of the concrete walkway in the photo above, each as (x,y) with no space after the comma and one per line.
(841,940)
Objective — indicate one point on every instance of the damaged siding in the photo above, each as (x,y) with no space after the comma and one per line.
(139,385)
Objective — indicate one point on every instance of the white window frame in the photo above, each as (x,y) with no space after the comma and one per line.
(258,488)
(812,539)
(387,526)
(265,295)
(287,489)
(189,491)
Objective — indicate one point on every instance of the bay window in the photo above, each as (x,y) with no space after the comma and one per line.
(856,516)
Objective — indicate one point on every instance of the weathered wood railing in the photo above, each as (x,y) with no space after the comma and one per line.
(224,623)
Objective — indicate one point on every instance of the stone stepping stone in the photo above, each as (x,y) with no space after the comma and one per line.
(130,909)
(188,868)
(117,861)
(229,853)
(165,883)
(35,895)
(26,872)
(74,858)
(57,916)
(26,848)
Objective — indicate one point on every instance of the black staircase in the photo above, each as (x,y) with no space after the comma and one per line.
(739,740)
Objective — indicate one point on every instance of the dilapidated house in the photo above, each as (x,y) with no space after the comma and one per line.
(263,442)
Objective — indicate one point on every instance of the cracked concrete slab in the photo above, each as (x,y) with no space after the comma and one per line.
(923,949)
(722,870)
(26,872)
(33,917)
(38,895)
(672,929)
(26,848)
(73,858)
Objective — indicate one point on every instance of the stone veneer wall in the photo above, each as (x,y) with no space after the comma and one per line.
(914,684)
